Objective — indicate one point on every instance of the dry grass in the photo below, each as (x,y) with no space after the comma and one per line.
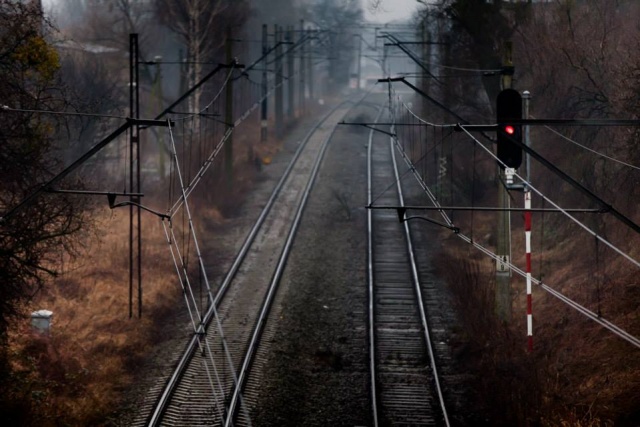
(579,373)
(80,373)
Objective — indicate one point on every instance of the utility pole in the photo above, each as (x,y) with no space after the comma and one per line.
(503,250)
(264,104)
(424,83)
(228,147)
(135,225)
(446,158)
(291,112)
(279,94)
(359,60)
(183,72)
(158,94)
(526,96)
(301,88)
(310,69)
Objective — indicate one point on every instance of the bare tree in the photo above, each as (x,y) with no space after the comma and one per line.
(202,25)
(31,240)
(110,23)
(335,17)
(581,62)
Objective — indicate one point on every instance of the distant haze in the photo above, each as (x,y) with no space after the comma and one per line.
(391,10)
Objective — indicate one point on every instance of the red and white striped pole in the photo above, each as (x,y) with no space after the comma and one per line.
(527,235)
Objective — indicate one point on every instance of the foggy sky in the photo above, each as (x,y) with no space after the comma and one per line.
(391,10)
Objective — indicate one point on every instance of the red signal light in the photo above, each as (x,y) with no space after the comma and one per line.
(509,131)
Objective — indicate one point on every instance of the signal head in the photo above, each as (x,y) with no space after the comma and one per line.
(508,109)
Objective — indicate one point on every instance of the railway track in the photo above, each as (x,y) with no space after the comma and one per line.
(405,387)
(206,387)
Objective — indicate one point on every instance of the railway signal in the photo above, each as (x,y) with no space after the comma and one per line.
(508,109)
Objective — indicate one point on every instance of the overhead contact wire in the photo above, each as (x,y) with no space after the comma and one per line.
(597,153)
(416,283)
(184,280)
(583,310)
(202,267)
(555,205)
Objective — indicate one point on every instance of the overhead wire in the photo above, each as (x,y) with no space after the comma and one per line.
(61,113)
(203,270)
(473,188)
(421,120)
(583,310)
(616,330)
(613,159)
(620,216)
(187,290)
(472,70)
(438,76)
(425,187)
(542,241)
(555,205)
(597,276)
(391,185)
(215,98)
(218,147)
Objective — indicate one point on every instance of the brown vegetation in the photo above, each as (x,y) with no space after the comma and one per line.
(80,373)
(577,60)
(76,374)
(578,374)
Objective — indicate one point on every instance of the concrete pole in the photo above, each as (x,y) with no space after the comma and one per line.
(359,60)
(426,59)
(135,219)
(310,71)
(503,250)
(228,147)
(264,104)
(447,157)
(157,90)
(183,73)
(526,97)
(291,111)
(279,89)
(301,88)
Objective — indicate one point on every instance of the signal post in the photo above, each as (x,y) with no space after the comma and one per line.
(508,106)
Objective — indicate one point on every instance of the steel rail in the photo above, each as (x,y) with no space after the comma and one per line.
(156,416)
(415,289)
(370,278)
(571,303)
(416,283)
(275,281)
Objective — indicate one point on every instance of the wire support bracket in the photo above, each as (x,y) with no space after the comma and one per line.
(402,217)
(82,159)
(370,126)
(113,205)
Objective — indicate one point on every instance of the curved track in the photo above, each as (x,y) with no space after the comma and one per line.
(205,388)
(405,386)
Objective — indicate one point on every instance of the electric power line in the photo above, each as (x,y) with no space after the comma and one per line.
(61,113)
(590,149)
(578,307)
